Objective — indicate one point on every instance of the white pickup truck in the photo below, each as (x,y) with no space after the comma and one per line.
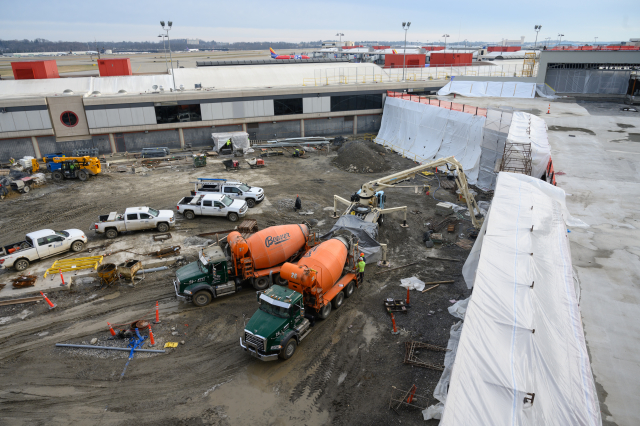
(40,244)
(212,205)
(234,190)
(134,219)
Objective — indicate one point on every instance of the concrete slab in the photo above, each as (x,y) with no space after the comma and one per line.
(594,145)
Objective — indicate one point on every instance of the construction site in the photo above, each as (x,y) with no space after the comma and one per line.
(444,248)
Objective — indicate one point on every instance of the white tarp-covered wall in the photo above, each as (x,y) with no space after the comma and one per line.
(430,132)
(522,337)
(497,89)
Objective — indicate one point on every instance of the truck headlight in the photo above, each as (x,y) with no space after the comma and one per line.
(187,292)
(273,348)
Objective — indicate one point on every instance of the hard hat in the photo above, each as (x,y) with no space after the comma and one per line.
(362,254)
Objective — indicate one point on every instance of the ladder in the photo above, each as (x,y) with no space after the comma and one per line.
(247,267)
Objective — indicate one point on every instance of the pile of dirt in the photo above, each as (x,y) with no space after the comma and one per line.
(359,157)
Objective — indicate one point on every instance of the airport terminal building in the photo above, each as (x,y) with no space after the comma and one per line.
(128,113)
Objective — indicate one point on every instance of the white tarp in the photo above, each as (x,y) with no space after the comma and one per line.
(497,89)
(522,337)
(527,128)
(430,132)
(239,140)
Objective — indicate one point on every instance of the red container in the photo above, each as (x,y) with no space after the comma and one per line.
(411,60)
(34,70)
(450,59)
(114,67)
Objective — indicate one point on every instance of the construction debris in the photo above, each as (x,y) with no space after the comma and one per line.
(162,237)
(165,252)
(408,398)
(392,305)
(21,300)
(24,281)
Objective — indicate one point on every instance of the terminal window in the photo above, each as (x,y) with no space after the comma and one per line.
(287,106)
(178,113)
(355,102)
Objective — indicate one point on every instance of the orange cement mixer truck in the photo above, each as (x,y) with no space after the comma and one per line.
(320,281)
(256,260)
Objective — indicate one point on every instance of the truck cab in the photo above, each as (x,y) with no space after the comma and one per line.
(278,326)
(205,279)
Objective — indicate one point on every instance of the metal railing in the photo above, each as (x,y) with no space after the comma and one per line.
(373,75)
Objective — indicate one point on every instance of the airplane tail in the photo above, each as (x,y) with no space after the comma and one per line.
(273,53)
(394,51)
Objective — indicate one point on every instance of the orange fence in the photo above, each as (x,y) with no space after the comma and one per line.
(453,106)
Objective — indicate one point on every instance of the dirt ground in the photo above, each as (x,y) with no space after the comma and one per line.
(342,373)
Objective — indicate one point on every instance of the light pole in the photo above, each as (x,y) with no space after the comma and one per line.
(405,27)
(596,42)
(165,52)
(465,43)
(560,38)
(340,35)
(169,24)
(537,28)
(445,40)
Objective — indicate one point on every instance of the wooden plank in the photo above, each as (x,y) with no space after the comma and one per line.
(430,288)
(23,300)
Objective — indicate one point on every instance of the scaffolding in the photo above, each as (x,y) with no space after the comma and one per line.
(516,158)
(529,64)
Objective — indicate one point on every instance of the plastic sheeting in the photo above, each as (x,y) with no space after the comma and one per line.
(365,232)
(430,132)
(522,331)
(239,140)
(481,89)
(527,128)
(494,136)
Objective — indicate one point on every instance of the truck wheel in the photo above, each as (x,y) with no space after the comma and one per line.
(338,300)
(57,175)
(25,189)
(261,283)
(202,298)
(77,246)
(289,349)
(163,227)
(82,175)
(21,264)
(281,281)
(325,311)
(350,289)
(189,215)
(111,233)
(232,217)
(251,203)
(381,220)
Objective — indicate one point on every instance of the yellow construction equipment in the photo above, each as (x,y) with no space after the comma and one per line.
(66,265)
(76,167)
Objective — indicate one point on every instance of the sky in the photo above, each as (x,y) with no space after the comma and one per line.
(311,20)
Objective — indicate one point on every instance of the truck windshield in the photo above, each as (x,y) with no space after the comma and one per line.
(274,310)
(154,212)
(244,187)
(202,267)
(63,233)
(227,201)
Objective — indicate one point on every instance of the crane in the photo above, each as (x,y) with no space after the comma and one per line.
(368,203)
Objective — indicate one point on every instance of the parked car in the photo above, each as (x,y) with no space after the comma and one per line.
(212,205)
(134,219)
(234,190)
(39,245)
(189,116)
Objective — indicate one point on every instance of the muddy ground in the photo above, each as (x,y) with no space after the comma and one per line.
(342,373)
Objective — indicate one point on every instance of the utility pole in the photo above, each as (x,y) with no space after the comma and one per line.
(537,28)
(405,27)
(560,38)
(170,57)
(165,52)
(340,35)
(596,42)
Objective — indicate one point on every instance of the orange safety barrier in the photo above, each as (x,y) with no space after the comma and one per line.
(551,174)
(453,106)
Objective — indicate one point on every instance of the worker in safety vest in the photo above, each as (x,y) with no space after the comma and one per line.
(361,264)
(363,258)
(228,144)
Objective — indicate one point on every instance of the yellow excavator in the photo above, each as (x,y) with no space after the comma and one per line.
(76,168)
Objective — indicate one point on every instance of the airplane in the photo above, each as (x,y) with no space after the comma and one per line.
(274,55)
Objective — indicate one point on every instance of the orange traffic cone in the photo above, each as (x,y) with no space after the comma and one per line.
(111,330)
(51,305)
(62,278)
(157,321)
(153,341)
(408,297)
(549,110)
(393,320)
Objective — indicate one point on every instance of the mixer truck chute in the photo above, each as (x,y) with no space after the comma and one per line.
(255,260)
(319,282)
